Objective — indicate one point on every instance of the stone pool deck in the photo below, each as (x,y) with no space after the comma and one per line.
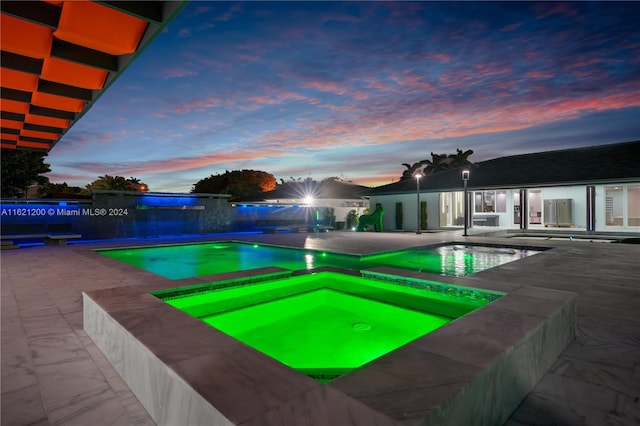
(52,372)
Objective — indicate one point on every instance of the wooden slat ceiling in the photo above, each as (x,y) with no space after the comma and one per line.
(58,57)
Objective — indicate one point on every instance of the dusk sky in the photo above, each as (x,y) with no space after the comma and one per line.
(320,89)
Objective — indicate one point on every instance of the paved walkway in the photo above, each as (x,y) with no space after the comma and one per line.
(52,373)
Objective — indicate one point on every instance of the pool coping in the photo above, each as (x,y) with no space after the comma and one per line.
(185,372)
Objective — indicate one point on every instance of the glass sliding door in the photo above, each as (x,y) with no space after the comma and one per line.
(613,206)
(516,208)
(451,209)
(622,205)
(535,207)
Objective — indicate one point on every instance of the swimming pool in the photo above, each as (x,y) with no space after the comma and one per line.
(185,371)
(326,324)
(191,260)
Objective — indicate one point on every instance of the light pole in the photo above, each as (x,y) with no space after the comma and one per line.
(418,175)
(465,178)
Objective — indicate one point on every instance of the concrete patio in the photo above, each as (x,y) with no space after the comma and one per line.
(52,373)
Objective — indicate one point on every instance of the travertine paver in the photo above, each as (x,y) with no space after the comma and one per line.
(52,373)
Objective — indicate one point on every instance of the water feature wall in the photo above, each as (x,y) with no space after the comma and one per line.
(246,216)
(131,214)
(122,214)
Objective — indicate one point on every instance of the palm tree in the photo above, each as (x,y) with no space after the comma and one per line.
(117,183)
(136,185)
(460,158)
(438,163)
(411,169)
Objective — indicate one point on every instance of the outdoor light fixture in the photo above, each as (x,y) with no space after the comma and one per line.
(465,178)
(308,200)
(418,175)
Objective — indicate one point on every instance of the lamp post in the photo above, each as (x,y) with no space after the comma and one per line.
(418,175)
(465,178)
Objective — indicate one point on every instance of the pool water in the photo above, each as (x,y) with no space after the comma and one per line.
(341,331)
(190,260)
(325,324)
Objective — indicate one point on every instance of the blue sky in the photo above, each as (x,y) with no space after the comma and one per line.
(320,89)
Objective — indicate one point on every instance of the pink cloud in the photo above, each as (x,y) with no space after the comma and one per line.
(435,120)
(189,126)
(546,9)
(440,57)
(133,168)
(491,69)
(325,86)
(177,72)
(537,74)
(375,83)
(511,27)
(505,84)
(197,104)
(248,58)
(414,83)
(264,100)
(277,97)
(582,62)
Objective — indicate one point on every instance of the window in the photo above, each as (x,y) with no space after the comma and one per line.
(613,200)
(490,201)
(353,204)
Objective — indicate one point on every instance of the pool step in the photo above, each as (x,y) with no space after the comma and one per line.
(8,245)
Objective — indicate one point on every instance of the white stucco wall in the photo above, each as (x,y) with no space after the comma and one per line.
(409,209)
(577,193)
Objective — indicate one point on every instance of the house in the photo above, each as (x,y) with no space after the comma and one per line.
(328,197)
(591,189)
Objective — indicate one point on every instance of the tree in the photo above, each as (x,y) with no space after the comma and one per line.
(237,183)
(117,183)
(411,169)
(438,163)
(137,185)
(57,190)
(21,169)
(352,219)
(460,158)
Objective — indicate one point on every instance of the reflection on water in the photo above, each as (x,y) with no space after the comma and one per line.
(460,260)
(182,261)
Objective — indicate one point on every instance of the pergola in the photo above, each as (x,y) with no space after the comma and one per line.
(58,57)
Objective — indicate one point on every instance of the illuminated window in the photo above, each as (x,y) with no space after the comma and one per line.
(490,201)
(613,206)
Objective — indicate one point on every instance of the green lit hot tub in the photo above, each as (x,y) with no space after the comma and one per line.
(326,324)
